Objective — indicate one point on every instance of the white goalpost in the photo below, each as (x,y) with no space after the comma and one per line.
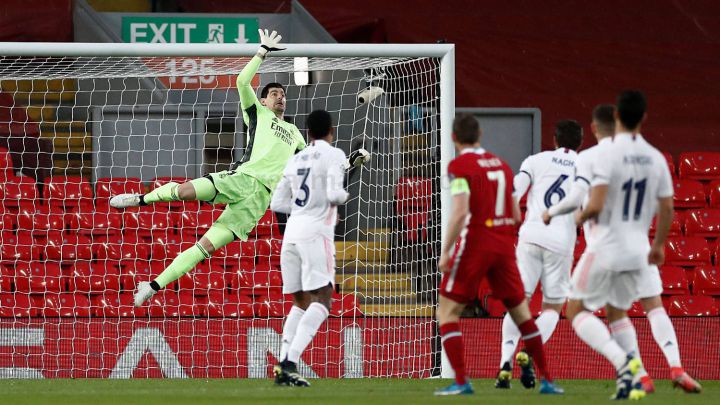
(81,122)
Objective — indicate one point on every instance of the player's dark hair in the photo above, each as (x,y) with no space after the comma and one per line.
(318,124)
(568,134)
(631,106)
(466,129)
(266,89)
(604,117)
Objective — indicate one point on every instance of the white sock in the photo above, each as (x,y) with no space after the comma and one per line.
(314,316)
(623,332)
(664,334)
(546,323)
(510,338)
(289,329)
(592,331)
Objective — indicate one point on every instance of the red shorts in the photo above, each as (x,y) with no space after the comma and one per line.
(468,268)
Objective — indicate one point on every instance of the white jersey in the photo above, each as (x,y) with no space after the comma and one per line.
(584,167)
(310,190)
(637,176)
(551,174)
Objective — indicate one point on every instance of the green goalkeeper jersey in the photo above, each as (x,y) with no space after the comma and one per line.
(270,140)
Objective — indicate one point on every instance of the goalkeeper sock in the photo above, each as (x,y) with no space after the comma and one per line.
(664,334)
(289,329)
(452,342)
(314,316)
(183,263)
(623,332)
(510,339)
(595,334)
(166,192)
(534,345)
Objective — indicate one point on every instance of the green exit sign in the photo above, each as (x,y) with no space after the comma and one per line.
(155,30)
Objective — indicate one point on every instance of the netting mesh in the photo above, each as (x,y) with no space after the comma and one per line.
(76,131)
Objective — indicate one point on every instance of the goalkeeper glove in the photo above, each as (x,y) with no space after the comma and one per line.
(268,42)
(357,158)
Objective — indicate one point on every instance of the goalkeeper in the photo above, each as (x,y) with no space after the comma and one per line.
(245,188)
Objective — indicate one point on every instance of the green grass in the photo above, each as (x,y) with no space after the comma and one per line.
(331,391)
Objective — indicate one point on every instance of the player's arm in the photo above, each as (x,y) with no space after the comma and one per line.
(595,204)
(268,43)
(336,193)
(460,190)
(664,216)
(282,197)
(570,203)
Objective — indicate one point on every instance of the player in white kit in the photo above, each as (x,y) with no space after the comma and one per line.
(310,191)
(630,183)
(650,284)
(544,254)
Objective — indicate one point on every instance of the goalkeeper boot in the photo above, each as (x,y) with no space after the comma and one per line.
(549,387)
(126,200)
(143,293)
(291,375)
(456,389)
(504,376)
(527,376)
(624,382)
(683,380)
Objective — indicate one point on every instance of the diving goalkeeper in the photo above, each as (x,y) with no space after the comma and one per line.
(245,188)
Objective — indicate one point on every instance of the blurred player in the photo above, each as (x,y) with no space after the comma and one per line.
(543,254)
(630,183)
(245,188)
(649,289)
(310,191)
(482,223)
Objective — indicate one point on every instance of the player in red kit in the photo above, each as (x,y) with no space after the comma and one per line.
(479,243)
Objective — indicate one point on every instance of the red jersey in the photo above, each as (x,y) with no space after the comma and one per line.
(490,179)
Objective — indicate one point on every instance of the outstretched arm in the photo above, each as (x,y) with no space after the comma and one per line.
(268,42)
(282,197)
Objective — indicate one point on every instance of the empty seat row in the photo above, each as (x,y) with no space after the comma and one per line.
(696,165)
(163,304)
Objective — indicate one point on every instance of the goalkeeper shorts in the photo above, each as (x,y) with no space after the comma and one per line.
(246,201)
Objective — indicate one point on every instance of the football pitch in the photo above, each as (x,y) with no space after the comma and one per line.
(330,391)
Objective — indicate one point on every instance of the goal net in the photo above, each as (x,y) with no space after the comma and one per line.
(75,130)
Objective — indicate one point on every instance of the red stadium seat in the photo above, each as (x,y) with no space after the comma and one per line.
(115,304)
(6,279)
(63,305)
(67,248)
(692,305)
(96,223)
(703,222)
(689,194)
(269,306)
(18,189)
(345,306)
(714,194)
(8,221)
(202,282)
(413,197)
(266,227)
(636,310)
(127,250)
(674,281)
(148,222)
(67,191)
(17,305)
(236,255)
(687,251)
(676,225)
(198,222)
(40,220)
(20,247)
(229,306)
(141,271)
(107,188)
(670,163)
(169,246)
(94,278)
(6,165)
(707,281)
(168,303)
(699,165)
(37,277)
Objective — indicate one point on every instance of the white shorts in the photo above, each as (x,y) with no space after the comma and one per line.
(551,269)
(307,266)
(650,283)
(596,286)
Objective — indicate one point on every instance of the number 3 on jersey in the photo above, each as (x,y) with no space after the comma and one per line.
(304,172)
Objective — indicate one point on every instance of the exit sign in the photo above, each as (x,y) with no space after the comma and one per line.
(195,30)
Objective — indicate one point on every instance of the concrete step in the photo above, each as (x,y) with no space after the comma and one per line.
(398,310)
(393,282)
(39,98)
(70,144)
(41,113)
(75,128)
(363,251)
(382,235)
